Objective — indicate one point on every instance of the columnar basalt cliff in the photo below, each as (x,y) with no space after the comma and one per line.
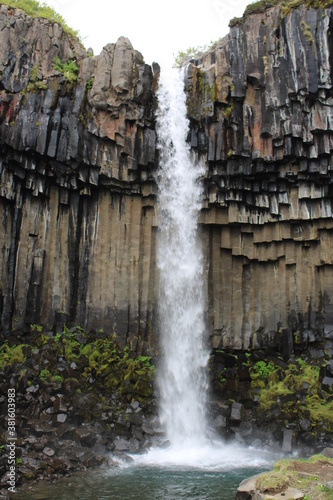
(78,156)
(77,146)
(261,111)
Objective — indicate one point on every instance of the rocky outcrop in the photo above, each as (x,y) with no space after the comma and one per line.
(293,479)
(77,146)
(78,399)
(260,104)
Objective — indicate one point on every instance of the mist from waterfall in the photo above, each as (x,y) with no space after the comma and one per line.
(182,380)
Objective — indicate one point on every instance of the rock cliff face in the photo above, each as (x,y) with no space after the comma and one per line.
(77,146)
(78,154)
(261,112)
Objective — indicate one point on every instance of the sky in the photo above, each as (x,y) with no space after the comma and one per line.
(159,30)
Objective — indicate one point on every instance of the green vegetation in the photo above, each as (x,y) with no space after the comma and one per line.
(35,83)
(45,375)
(36,9)
(68,69)
(279,386)
(191,52)
(286,7)
(278,391)
(36,328)
(96,363)
(289,473)
(262,369)
(227,110)
(9,355)
(89,83)
(307,32)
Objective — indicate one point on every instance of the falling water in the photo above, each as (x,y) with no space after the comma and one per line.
(183,381)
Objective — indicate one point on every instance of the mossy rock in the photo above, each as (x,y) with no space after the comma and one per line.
(272,482)
(143,389)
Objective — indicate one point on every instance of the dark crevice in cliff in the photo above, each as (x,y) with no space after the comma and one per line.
(8,303)
(74,232)
(330,47)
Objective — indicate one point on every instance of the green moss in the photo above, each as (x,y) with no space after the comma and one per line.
(227,110)
(272,482)
(101,364)
(285,474)
(57,378)
(307,32)
(11,355)
(45,375)
(36,86)
(275,386)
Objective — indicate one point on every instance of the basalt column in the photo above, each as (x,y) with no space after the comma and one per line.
(77,192)
(261,113)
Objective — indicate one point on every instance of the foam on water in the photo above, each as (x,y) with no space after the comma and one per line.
(214,455)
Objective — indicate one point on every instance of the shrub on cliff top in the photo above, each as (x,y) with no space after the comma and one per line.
(35,9)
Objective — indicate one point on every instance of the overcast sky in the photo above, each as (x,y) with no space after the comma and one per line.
(157,29)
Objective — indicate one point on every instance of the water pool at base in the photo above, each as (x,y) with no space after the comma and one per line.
(153,476)
(146,483)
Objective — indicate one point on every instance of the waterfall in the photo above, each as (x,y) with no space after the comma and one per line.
(182,380)
(182,374)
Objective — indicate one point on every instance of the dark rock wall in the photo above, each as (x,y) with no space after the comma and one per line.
(77,198)
(261,117)
(78,192)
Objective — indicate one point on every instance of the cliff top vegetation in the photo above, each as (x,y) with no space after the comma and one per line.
(36,9)
(286,7)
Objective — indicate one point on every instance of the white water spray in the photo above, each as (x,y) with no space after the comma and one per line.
(182,381)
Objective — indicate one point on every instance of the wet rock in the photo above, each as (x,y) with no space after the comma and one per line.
(122,426)
(59,404)
(121,444)
(288,436)
(48,452)
(137,432)
(61,418)
(88,458)
(220,422)
(305,424)
(308,438)
(328,452)
(236,412)
(122,456)
(86,436)
(30,462)
(247,488)
(329,368)
(65,431)
(32,389)
(41,428)
(327,383)
(135,419)
(136,405)
(246,429)
(134,445)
